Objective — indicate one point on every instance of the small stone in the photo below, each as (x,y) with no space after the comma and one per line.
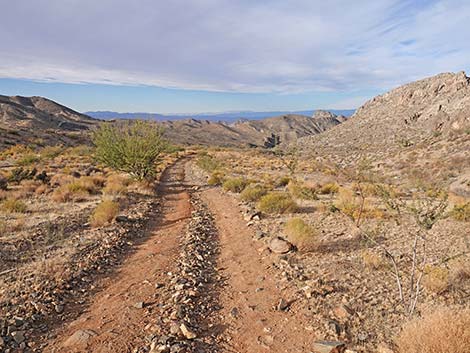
(18,336)
(282,305)
(175,329)
(234,313)
(279,246)
(342,312)
(80,337)
(121,219)
(59,308)
(329,347)
(139,305)
(188,333)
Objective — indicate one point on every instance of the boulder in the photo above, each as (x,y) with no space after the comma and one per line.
(279,246)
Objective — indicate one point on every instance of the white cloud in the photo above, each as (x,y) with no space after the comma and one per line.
(222,45)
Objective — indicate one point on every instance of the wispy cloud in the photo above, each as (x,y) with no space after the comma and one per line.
(244,46)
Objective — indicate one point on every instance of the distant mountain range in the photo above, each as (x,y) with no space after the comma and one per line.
(223,116)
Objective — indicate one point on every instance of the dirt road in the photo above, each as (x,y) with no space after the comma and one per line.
(199,283)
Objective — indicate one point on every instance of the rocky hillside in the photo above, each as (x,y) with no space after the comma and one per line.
(425,122)
(287,128)
(37,119)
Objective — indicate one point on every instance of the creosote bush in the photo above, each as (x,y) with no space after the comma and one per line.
(443,331)
(253,192)
(301,234)
(104,213)
(277,202)
(134,148)
(235,184)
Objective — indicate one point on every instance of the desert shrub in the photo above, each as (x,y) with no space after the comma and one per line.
(436,279)
(14,206)
(28,159)
(461,212)
(460,273)
(116,185)
(302,192)
(442,331)
(207,163)
(3,183)
(74,191)
(235,184)
(3,226)
(104,213)
(50,152)
(253,193)
(19,174)
(79,151)
(371,259)
(283,181)
(134,148)
(29,186)
(329,188)
(216,178)
(301,234)
(350,204)
(277,202)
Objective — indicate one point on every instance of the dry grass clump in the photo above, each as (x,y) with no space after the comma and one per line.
(253,193)
(328,189)
(14,206)
(461,212)
(50,152)
(28,159)
(371,259)
(116,185)
(443,331)
(277,202)
(216,178)
(104,213)
(301,191)
(351,205)
(436,279)
(301,234)
(235,184)
(77,189)
(283,181)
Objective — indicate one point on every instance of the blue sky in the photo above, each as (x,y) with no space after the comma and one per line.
(219,55)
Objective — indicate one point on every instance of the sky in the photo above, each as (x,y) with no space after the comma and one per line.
(188,56)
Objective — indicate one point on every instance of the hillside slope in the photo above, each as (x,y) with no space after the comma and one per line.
(249,132)
(424,125)
(30,119)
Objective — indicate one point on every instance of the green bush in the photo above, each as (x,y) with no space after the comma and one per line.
(28,159)
(277,202)
(207,163)
(301,234)
(131,147)
(235,184)
(461,212)
(253,192)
